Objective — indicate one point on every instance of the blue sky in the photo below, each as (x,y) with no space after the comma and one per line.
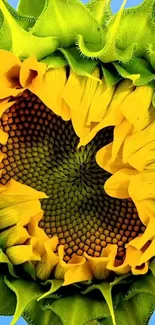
(115,6)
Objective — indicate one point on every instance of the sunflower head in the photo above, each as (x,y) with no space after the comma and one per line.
(77,162)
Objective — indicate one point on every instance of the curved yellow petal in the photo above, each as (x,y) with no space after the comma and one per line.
(142,186)
(18,212)
(9,74)
(147,235)
(31,73)
(113,114)
(100,102)
(104,159)
(78,94)
(133,257)
(121,131)
(136,106)
(138,140)
(13,236)
(76,270)
(48,261)
(117,185)
(98,265)
(21,254)
(14,188)
(143,157)
(148,253)
(47,84)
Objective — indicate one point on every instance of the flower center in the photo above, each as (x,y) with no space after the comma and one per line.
(41,152)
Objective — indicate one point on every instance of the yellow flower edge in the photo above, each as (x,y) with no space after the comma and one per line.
(25,247)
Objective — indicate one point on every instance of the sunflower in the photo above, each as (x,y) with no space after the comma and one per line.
(77,162)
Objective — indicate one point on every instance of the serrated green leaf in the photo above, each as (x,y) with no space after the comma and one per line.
(25,21)
(35,315)
(66,23)
(40,47)
(109,52)
(54,286)
(82,66)
(106,289)
(138,70)
(79,310)
(26,292)
(31,7)
(100,9)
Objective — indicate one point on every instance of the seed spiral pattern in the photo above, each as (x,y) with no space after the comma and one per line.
(41,152)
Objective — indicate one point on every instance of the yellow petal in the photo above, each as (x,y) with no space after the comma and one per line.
(46,84)
(98,265)
(19,213)
(14,188)
(78,94)
(142,239)
(145,210)
(113,114)
(13,236)
(31,73)
(48,261)
(21,254)
(142,186)
(143,157)
(148,253)
(100,102)
(117,185)
(120,133)
(138,140)
(136,106)
(104,159)
(78,273)
(133,257)
(77,270)
(9,74)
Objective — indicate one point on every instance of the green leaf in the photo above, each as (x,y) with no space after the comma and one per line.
(31,7)
(100,9)
(26,292)
(110,74)
(5,34)
(106,289)
(78,64)
(54,286)
(7,299)
(34,314)
(109,51)
(55,60)
(139,298)
(79,310)
(138,70)
(66,23)
(38,46)
(24,21)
